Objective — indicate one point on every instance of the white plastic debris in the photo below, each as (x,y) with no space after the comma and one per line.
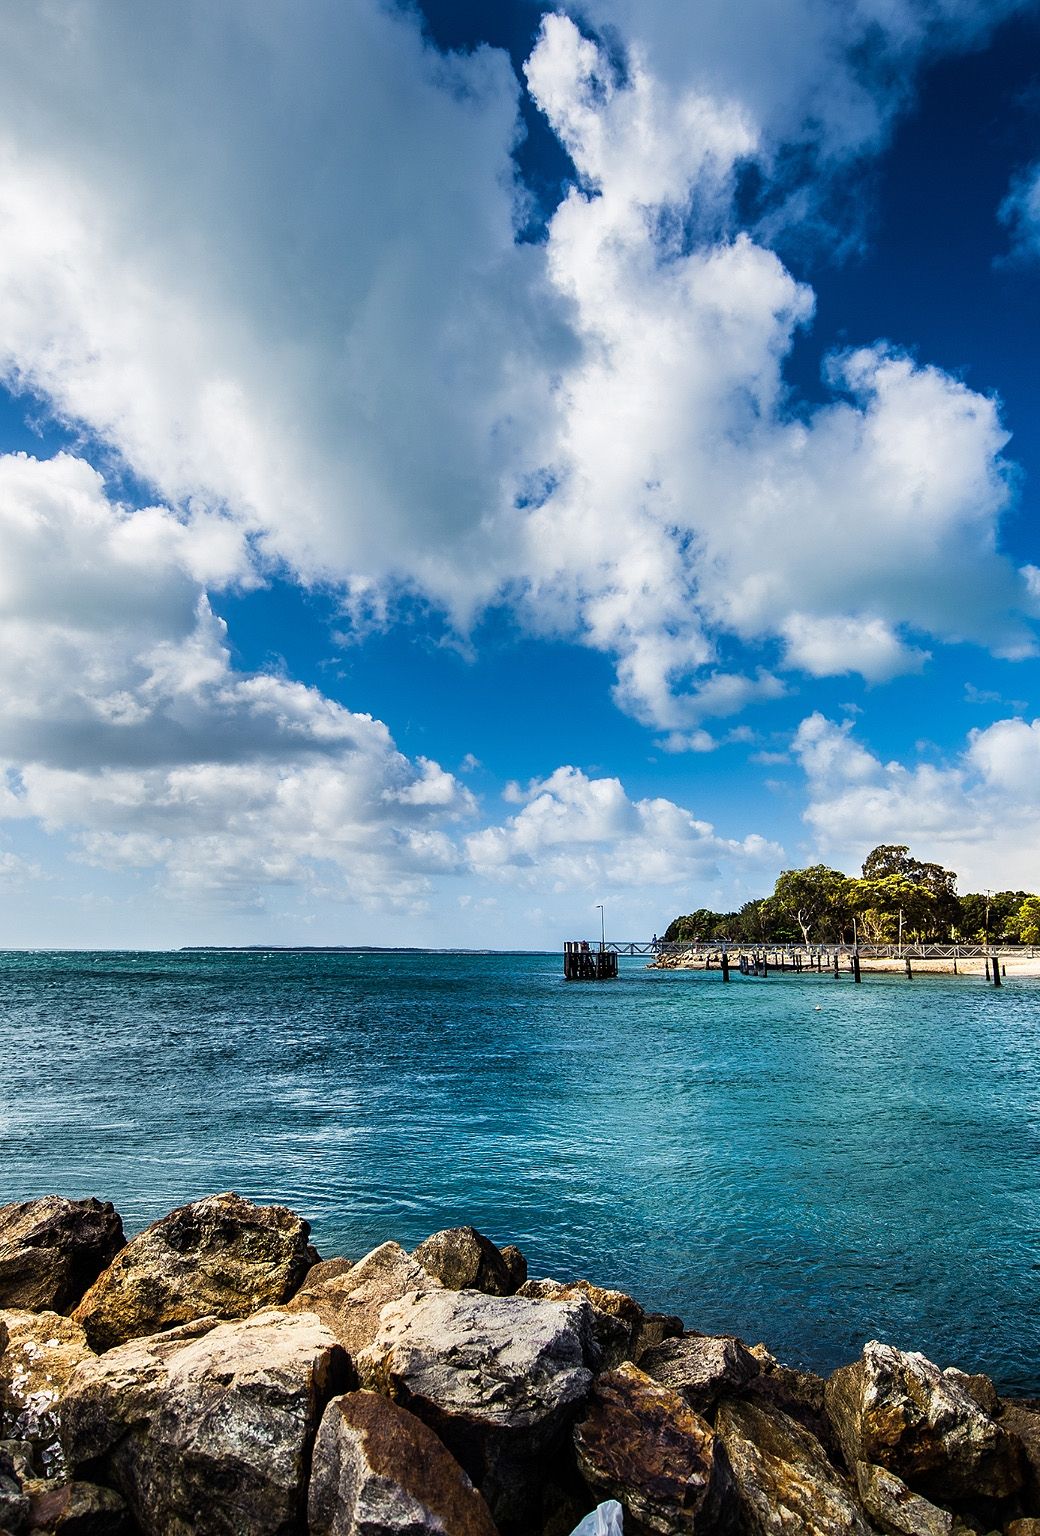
(605,1520)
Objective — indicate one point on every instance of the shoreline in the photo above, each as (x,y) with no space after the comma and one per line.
(443,1392)
(1012,966)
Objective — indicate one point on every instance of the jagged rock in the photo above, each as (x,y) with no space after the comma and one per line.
(900,1411)
(207,1429)
(617,1319)
(350,1303)
(38,1353)
(1024,1424)
(895,1508)
(799,1394)
(20,1455)
(978,1386)
(14,1503)
(498,1378)
(52,1249)
(642,1444)
(79,1509)
(516,1267)
(784,1481)
(219,1257)
(325,1269)
(1028,1526)
(656,1327)
(380,1471)
(461,1258)
(702,1367)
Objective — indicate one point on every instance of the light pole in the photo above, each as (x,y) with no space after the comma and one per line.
(602,926)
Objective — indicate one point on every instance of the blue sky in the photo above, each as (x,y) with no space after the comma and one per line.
(458,468)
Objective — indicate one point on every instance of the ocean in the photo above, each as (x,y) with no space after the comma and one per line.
(798,1160)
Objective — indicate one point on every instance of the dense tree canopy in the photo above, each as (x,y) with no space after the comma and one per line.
(897,895)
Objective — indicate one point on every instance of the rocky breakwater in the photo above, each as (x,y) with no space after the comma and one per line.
(214,1376)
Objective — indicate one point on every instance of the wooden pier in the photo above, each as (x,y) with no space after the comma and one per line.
(582,962)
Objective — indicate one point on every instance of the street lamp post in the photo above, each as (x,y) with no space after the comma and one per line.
(602,926)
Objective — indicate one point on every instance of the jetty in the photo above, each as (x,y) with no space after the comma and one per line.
(584,961)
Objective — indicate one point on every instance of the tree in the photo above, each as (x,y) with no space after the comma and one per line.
(817,899)
(991,914)
(879,901)
(694,926)
(1027,921)
(935,918)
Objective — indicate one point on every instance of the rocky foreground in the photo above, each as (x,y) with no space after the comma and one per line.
(213,1375)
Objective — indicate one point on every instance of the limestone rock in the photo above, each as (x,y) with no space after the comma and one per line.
(900,1411)
(498,1378)
(702,1367)
(379,1471)
(52,1249)
(461,1258)
(1028,1526)
(219,1257)
(80,1509)
(784,1481)
(38,1353)
(642,1444)
(207,1429)
(897,1510)
(350,1302)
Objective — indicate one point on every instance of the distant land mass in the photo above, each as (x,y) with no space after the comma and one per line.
(347,949)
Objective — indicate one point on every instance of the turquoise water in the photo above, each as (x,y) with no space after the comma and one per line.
(797,1160)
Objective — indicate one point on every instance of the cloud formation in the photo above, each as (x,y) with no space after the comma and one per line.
(977,814)
(272,264)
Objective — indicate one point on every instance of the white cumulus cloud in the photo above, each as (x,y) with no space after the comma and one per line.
(977,813)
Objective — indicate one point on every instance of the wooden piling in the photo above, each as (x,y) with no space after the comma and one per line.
(996,971)
(987,968)
(909,972)
(725,966)
(837,973)
(855,967)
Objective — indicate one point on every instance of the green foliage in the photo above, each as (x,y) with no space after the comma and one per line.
(1027,921)
(991,915)
(817,900)
(818,904)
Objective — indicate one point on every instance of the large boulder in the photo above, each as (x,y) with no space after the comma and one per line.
(219,1257)
(624,1329)
(784,1480)
(901,1412)
(461,1258)
(52,1249)
(896,1508)
(349,1302)
(379,1471)
(702,1367)
(499,1379)
(38,1353)
(642,1444)
(207,1429)
(79,1509)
